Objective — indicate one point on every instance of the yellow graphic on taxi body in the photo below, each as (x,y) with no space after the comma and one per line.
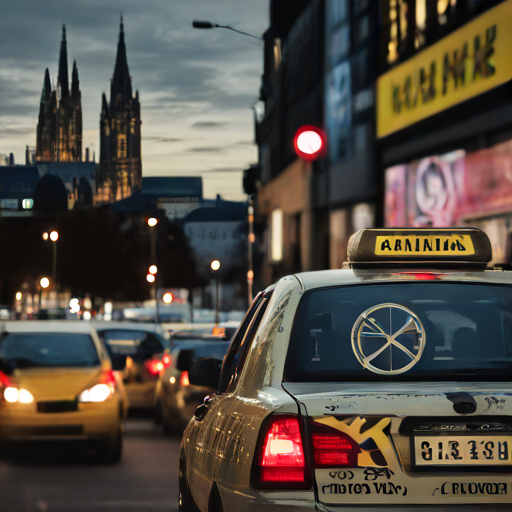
(369,434)
(424,245)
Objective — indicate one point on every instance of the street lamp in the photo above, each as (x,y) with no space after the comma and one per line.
(153,269)
(53,236)
(215,266)
(167,298)
(44,284)
(150,278)
(209,24)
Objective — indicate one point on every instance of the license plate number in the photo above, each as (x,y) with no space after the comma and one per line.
(463,450)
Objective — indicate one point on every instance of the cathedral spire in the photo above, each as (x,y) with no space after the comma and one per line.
(75,83)
(121,83)
(63,79)
(47,88)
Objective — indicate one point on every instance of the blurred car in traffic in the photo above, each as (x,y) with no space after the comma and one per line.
(57,382)
(144,345)
(175,399)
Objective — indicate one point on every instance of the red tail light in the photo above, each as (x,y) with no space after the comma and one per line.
(280,461)
(332,447)
(154,366)
(184,379)
(166,360)
(4,380)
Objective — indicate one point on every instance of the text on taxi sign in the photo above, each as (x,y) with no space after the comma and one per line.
(424,245)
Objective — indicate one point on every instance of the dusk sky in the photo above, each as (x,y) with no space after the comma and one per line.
(196,87)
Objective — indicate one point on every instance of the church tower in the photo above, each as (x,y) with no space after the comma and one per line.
(120,139)
(59,128)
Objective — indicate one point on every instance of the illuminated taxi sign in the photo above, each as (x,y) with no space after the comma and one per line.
(424,245)
(421,246)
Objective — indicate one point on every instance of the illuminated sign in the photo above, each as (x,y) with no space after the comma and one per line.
(427,245)
(466,63)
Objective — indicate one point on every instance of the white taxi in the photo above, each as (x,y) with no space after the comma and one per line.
(385,384)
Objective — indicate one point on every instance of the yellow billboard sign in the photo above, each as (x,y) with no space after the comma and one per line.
(468,62)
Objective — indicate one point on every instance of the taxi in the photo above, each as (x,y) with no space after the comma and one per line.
(57,382)
(383,385)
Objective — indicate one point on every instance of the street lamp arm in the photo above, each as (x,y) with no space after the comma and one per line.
(208,25)
(239,31)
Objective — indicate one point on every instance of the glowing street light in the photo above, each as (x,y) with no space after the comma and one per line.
(215,265)
(153,269)
(54,236)
(45,236)
(150,278)
(45,282)
(167,298)
(19,295)
(152,222)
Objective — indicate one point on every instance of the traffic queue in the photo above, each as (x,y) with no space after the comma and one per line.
(386,383)
(77,380)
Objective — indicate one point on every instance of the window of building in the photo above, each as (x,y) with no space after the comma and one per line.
(276,230)
(121,146)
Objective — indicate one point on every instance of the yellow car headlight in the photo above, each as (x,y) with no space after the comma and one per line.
(13,395)
(98,393)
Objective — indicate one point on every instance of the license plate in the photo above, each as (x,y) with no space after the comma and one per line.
(463,450)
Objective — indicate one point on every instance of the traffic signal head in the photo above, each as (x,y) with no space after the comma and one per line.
(309,143)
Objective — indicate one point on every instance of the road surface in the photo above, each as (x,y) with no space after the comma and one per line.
(65,478)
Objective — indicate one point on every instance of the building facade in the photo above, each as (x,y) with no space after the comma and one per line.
(59,128)
(120,133)
(444,113)
(320,70)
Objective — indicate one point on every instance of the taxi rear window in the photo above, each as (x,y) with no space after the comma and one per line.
(403,331)
(28,350)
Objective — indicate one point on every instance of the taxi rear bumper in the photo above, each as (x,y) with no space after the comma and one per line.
(90,421)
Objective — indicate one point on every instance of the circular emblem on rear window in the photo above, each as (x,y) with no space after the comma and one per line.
(388,339)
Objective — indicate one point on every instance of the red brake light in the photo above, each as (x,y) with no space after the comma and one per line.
(166,360)
(280,461)
(4,380)
(184,379)
(421,276)
(332,447)
(154,366)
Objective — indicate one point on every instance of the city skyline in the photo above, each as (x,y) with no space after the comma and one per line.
(196,87)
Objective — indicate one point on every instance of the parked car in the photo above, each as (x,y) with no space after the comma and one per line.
(144,346)
(175,399)
(58,382)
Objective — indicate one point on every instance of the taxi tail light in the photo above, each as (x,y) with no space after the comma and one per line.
(280,461)
(4,380)
(332,448)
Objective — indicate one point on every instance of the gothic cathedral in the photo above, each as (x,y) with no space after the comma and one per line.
(59,129)
(120,139)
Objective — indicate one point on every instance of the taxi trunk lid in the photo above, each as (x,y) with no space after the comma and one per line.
(385,420)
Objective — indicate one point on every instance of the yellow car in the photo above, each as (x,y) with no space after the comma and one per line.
(57,382)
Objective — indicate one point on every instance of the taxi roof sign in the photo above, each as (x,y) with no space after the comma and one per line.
(419,247)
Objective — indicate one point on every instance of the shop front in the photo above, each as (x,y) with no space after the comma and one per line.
(444,121)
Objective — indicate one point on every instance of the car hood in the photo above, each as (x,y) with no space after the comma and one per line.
(48,384)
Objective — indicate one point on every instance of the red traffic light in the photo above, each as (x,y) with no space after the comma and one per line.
(309,142)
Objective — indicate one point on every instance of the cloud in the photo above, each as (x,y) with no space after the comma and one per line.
(187,79)
(205,150)
(201,125)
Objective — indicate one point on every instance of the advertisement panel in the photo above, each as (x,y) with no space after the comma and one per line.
(470,61)
(455,189)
